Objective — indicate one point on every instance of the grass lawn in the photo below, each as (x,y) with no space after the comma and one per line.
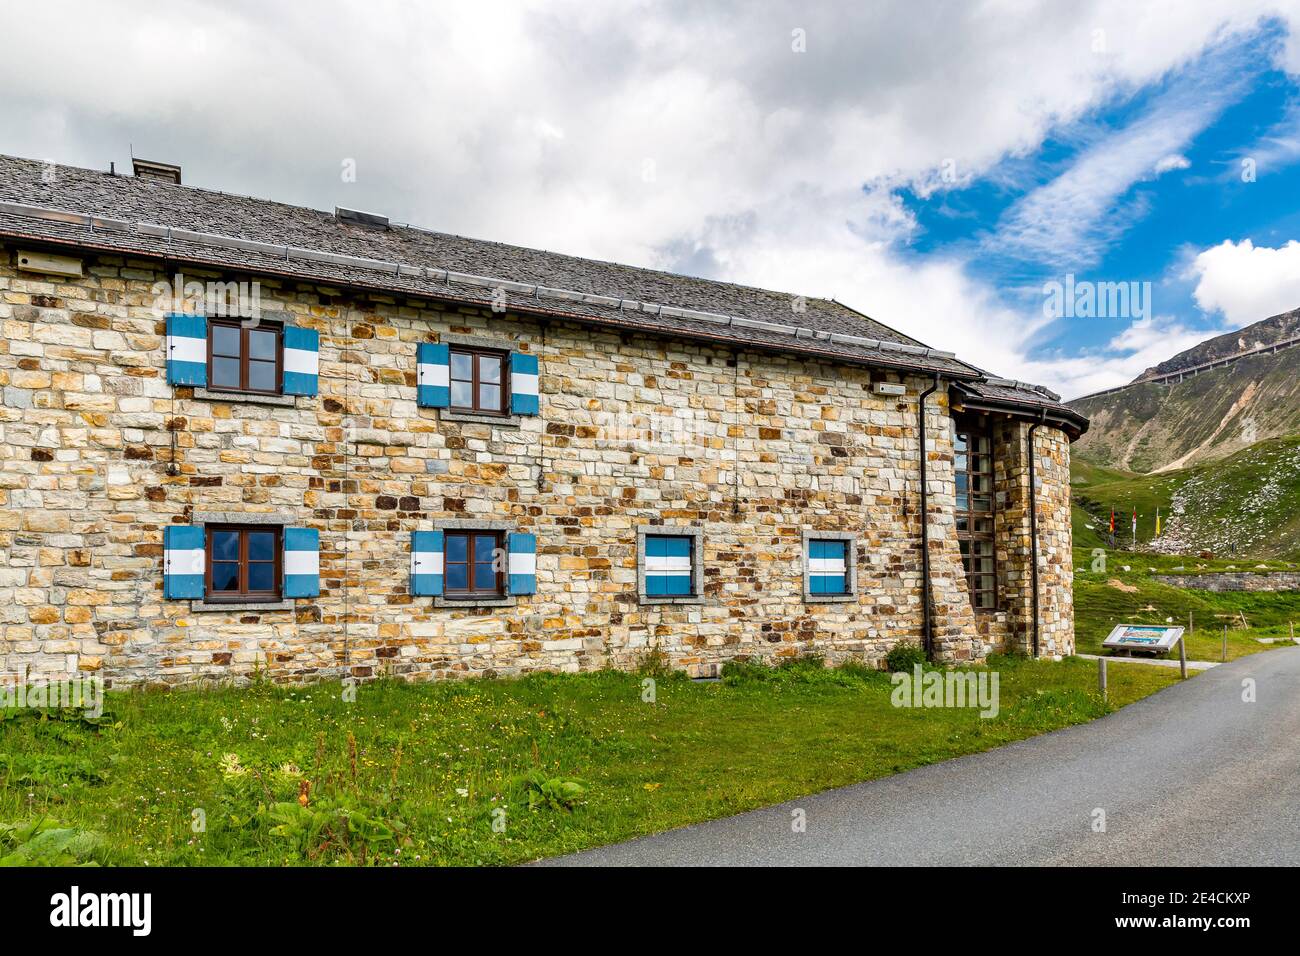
(1103,599)
(418,774)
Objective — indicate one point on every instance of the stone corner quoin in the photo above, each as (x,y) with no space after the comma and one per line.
(635,429)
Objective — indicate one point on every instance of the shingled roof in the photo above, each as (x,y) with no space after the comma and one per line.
(1032,401)
(94,209)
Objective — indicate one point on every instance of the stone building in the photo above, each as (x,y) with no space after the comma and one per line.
(243,437)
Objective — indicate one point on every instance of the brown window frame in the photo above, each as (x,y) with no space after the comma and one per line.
(244,356)
(475,352)
(470,592)
(977,582)
(243,595)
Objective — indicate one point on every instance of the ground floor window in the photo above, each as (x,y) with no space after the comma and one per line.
(243,563)
(973,465)
(475,564)
(828,569)
(668,564)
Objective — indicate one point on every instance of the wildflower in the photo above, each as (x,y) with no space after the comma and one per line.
(230,766)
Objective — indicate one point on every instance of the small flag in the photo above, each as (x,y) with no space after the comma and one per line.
(1157,522)
(1112,519)
(1135,519)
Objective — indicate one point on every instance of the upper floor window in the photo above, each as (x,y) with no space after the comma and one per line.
(243,563)
(478,380)
(973,460)
(244,359)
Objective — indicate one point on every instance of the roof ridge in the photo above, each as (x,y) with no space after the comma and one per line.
(393,224)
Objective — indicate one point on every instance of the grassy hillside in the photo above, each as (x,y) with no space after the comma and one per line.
(1125,591)
(1248,503)
(1209,416)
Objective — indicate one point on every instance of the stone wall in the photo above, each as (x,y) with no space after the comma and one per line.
(1234,580)
(99,453)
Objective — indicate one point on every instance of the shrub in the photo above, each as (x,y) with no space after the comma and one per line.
(904,657)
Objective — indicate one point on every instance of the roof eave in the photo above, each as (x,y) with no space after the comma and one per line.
(971,375)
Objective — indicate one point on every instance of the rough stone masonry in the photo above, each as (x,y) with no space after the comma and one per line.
(636,430)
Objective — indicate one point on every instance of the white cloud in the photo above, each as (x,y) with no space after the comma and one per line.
(1170,163)
(1245,282)
(660,134)
(1072,219)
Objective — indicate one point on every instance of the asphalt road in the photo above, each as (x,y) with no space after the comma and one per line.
(1189,776)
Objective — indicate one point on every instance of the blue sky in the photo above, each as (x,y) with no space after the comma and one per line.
(767,142)
(1229,104)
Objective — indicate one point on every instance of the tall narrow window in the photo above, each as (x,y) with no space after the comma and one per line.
(474,564)
(244,359)
(478,381)
(973,454)
(243,563)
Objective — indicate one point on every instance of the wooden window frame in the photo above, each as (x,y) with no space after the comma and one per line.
(243,595)
(967,429)
(244,357)
(475,352)
(471,592)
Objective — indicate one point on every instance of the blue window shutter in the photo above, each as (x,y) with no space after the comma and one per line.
(523,384)
(187,350)
(426,563)
(301,562)
(433,375)
(184,561)
(827,567)
(523,563)
(668,565)
(301,360)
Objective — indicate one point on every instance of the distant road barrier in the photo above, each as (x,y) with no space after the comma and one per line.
(1171,378)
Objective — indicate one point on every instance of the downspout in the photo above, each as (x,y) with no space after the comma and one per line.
(1033,523)
(926,624)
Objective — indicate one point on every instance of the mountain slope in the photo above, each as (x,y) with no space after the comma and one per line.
(1247,503)
(1149,427)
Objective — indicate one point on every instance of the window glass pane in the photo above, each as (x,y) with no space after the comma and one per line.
(261,375)
(455,546)
(225,372)
(261,345)
(462,366)
(485,579)
(225,546)
(225,577)
(457,577)
(225,340)
(981,503)
(261,576)
(959,442)
(489,368)
(261,546)
(462,394)
(489,396)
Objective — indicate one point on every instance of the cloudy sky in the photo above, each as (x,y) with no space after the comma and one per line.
(932,164)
